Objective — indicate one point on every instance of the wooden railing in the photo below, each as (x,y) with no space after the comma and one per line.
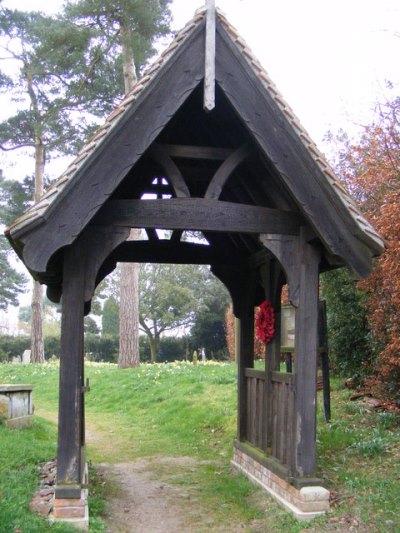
(269,423)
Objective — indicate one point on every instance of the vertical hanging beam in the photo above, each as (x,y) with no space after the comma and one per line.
(237,336)
(324,353)
(209,66)
(70,415)
(306,349)
(245,358)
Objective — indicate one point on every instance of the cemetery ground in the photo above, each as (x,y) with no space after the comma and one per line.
(159,442)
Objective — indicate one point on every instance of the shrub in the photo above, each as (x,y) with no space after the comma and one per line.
(52,346)
(348,333)
(13,346)
(104,348)
(172,349)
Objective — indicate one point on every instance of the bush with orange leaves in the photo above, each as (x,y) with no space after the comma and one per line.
(371,169)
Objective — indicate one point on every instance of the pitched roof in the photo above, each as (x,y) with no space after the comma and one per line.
(40,213)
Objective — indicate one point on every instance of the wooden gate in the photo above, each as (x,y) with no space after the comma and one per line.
(270,412)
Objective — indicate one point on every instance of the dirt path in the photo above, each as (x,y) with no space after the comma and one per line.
(143,502)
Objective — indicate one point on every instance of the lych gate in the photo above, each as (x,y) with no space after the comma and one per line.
(208,135)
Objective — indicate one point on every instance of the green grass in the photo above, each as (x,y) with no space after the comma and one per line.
(20,453)
(180,410)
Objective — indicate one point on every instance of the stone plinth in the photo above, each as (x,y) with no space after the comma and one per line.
(16,407)
(73,511)
(304,503)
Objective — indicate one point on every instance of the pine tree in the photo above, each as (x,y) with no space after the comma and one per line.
(48,53)
(125,32)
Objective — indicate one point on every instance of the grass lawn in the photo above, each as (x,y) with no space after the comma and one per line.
(180,410)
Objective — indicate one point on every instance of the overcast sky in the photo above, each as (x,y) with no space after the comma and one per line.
(330,59)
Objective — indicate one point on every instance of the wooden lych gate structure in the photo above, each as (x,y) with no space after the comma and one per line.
(203,142)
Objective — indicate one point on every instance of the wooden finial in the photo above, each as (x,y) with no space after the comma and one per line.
(209,67)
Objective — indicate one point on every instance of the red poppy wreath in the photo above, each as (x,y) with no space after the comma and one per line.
(265,322)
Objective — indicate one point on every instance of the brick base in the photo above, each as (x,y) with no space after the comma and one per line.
(305,503)
(74,511)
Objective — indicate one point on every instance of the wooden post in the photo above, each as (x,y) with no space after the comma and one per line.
(237,336)
(245,358)
(324,353)
(209,66)
(70,414)
(303,462)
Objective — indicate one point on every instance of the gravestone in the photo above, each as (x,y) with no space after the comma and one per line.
(26,357)
(16,407)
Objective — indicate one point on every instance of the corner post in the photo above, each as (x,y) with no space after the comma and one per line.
(70,414)
(306,350)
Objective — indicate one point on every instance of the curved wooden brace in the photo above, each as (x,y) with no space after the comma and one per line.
(285,249)
(219,179)
(173,173)
(99,242)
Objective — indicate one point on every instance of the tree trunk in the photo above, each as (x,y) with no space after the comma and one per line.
(154,345)
(37,345)
(129,286)
(129,315)
(128,60)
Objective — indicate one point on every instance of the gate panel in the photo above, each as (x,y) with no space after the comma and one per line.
(279,410)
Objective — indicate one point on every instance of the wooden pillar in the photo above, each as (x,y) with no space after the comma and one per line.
(306,350)
(241,283)
(70,415)
(237,334)
(324,355)
(245,359)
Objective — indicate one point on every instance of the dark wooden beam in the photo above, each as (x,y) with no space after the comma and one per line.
(197,152)
(173,173)
(197,214)
(152,234)
(306,349)
(70,412)
(176,235)
(225,170)
(98,243)
(171,252)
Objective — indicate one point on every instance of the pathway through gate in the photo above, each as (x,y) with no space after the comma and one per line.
(149,495)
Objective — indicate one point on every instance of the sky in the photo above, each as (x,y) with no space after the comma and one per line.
(331,60)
